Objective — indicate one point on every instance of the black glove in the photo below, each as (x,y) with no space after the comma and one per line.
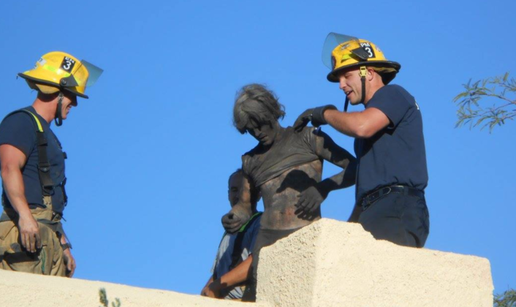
(232,222)
(309,201)
(315,115)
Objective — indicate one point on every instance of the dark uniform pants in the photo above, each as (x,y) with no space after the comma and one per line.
(401,219)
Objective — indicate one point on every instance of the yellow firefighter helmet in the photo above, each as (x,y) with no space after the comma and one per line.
(59,71)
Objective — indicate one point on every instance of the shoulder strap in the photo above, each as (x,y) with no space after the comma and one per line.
(47,184)
(249,222)
(236,256)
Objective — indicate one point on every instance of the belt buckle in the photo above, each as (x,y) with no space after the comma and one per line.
(371,198)
(389,190)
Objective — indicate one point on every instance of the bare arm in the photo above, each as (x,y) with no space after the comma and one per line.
(69,259)
(12,160)
(237,275)
(363,124)
(242,211)
(232,278)
(310,199)
(333,153)
(206,290)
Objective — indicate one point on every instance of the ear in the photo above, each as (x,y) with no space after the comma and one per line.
(371,74)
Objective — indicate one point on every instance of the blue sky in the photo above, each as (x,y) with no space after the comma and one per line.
(151,150)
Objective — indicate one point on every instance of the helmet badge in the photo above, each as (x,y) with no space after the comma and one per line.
(67,64)
(368,48)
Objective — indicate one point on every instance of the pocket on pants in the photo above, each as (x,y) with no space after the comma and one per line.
(9,238)
(5,229)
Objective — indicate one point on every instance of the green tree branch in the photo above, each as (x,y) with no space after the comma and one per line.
(475,114)
(507,299)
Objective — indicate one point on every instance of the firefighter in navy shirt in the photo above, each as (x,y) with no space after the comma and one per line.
(389,142)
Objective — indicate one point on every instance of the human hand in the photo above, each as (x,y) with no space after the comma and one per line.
(210,290)
(315,115)
(29,233)
(70,262)
(232,222)
(303,120)
(309,202)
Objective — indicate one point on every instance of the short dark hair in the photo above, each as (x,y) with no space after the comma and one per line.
(255,194)
(238,171)
(47,97)
(257,102)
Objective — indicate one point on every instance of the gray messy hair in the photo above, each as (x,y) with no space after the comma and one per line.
(257,102)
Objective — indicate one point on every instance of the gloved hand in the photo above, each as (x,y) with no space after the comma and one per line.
(232,222)
(309,201)
(315,115)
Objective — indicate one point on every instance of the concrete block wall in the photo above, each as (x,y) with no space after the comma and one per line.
(332,263)
(328,263)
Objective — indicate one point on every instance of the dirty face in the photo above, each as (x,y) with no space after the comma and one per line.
(234,188)
(264,133)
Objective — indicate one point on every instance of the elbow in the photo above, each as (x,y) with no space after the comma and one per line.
(4,172)
(364,132)
(8,169)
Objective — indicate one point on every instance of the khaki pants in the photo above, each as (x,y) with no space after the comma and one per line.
(48,260)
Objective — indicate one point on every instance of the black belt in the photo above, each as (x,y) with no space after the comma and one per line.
(376,195)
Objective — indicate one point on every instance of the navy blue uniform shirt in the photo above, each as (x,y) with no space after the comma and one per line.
(395,154)
(19,130)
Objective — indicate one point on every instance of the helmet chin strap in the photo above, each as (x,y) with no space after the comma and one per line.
(58,119)
(363,73)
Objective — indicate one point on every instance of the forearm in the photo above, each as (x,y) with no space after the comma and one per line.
(237,275)
(27,225)
(344,179)
(363,124)
(210,280)
(347,123)
(15,190)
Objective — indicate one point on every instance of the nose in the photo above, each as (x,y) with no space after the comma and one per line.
(342,82)
(254,132)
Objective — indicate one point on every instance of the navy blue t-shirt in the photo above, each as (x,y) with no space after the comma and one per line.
(395,154)
(19,130)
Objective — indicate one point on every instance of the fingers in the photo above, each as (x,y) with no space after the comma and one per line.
(31,241)
(303,120)
(302,202)
(309,202)
(232,228)
(305,215)
(300,124)
(231,222)
(24,241)
(29,233)
(228,218)
(38,240)
(70,262)
(304,207)
(71,269)
(203,292)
